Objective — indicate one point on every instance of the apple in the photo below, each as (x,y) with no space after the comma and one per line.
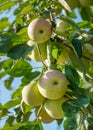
(43,115)
(54,107)
(86,3)
(31,95)
(39,30)
(35,54)
(61,26)
(64,55)
(52,84)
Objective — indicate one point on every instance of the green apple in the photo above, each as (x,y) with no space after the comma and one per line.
(52,84)
(38,54)
(43,115)
(61,26)
(39,30)
(31,95)
(54,108)
(86,3)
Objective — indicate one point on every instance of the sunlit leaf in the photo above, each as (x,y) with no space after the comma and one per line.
(18,68)
(8,83)
(11,103)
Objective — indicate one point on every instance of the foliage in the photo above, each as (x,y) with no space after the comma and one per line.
(78,66)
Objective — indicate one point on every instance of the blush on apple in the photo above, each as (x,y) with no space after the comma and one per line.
(39,30)
(52,84)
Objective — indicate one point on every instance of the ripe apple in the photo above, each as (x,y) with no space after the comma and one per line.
(54,107)
(35,54)
(31,95)
(61,26)
(86,3)
(45,118)
(52,84)
(39,30)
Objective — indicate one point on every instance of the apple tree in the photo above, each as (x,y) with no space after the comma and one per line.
(48,46)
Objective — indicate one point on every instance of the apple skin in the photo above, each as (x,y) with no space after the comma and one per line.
(86,3)
(31,95)
(52,84)
(45,118)
(54,107)
(61,26)
(39,30)
(34,54)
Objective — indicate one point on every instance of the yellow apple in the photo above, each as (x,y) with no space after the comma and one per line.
(52,84)
(61,26)
(38,54)
(54,107)
(45,118)
(31,95)
(39,30)
(86,3)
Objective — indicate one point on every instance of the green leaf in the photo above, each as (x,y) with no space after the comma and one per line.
(8,40)
(70,124)
(4,23)
(8,83)
(83,24)
(3,112)
(1,106)
(83,100)
(80,101)
(86,11)
(17,92)
(6,5)
(9,121)
(90,120)
(11,103)
(18,68)
(59,121)
(69,110)
(55,50)
(24,126)
(73,77)
(76,42)
(19,51)
(23,33)
(74,103)
(29,77)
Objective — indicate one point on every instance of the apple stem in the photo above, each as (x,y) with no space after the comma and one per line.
(21,105)
(40,109)
(40,55)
